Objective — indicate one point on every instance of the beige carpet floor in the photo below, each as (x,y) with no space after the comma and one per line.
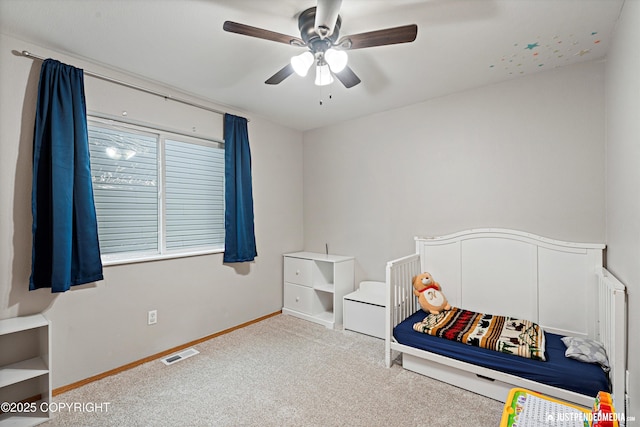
(282,371)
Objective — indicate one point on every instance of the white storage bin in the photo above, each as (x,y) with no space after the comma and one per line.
(364,309)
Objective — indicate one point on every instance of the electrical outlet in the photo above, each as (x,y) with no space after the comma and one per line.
(152,317)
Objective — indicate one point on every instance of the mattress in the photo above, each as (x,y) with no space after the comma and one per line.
(557,371)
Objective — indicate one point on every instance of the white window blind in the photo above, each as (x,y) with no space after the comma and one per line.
(155,194)
(194,188)
(124,169)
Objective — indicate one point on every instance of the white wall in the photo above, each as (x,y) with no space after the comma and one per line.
(527,154)
(623,176)
(103,326)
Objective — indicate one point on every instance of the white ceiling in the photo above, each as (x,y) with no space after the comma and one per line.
(461,44)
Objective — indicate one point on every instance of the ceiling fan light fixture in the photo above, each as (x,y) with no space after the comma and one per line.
(301,63)
(323,75)
(337,59)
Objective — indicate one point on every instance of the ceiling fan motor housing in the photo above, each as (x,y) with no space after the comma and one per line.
(306,23)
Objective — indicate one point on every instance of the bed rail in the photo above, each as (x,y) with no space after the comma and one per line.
(401,302)
(612,332)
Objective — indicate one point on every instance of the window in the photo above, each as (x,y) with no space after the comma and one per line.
(157,194)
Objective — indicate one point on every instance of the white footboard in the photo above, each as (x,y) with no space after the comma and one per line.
(401,302)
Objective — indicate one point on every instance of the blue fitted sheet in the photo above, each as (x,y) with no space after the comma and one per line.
(557,371)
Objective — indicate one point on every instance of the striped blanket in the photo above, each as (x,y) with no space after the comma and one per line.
(505,334)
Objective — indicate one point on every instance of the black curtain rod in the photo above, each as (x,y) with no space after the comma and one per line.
(28,54)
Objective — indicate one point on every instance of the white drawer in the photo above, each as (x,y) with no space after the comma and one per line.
(300,298)
(298,271)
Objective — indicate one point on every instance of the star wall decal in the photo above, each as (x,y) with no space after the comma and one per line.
(544,52)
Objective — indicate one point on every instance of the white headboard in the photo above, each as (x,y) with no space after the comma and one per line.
(518,274)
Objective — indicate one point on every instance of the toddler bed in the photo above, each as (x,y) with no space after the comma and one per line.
(561,286)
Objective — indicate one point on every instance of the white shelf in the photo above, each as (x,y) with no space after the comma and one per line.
(319,257)
(21,371)
(26,370)
(23,420)
(18,324)
(326,316)
(324,288)
(315,284)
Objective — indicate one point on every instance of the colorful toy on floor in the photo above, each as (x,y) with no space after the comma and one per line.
(604,414)
(526,408)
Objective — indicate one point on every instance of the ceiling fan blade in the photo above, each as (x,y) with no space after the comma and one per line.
(347,77)
(248,30)
(404,34)
(285,72)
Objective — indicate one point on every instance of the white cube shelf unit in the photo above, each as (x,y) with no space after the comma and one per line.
(315,284)
(25,373)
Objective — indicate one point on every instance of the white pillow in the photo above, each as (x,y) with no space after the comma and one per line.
(586,350)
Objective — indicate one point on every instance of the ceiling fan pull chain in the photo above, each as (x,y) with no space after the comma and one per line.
(321,100)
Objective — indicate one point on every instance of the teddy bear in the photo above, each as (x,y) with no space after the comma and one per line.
(429,294)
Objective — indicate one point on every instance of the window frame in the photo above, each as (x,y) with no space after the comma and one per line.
(161,134)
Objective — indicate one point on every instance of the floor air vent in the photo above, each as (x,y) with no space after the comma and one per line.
(176,357)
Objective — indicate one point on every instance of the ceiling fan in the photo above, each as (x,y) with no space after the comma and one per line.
(319,32)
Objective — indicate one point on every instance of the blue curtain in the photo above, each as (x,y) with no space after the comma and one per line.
(65,249)
(239,241)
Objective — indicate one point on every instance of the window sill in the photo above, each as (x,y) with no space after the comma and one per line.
(119,259)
